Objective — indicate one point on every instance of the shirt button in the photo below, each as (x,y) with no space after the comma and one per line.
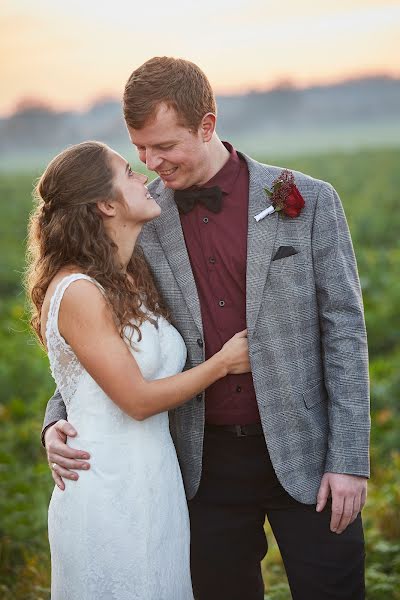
(200,342)
(205,220)
(212,260)
(199,397)
(238,388)
(221,302)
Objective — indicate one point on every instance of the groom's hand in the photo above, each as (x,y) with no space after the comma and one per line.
(348,492)
(62,458)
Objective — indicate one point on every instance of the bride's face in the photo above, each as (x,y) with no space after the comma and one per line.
(138,206)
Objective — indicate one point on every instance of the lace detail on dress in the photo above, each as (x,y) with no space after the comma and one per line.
(64,365)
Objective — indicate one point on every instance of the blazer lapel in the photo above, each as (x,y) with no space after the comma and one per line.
(169,231)
(260,239)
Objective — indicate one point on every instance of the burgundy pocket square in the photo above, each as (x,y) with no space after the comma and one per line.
(284,252)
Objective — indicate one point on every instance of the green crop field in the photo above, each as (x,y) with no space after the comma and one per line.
(369,185)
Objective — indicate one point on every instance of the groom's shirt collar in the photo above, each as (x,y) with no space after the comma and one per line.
(227,176)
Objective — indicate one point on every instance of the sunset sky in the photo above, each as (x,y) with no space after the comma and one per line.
(68,53)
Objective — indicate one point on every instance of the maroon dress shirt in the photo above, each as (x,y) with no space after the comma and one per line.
(217,248)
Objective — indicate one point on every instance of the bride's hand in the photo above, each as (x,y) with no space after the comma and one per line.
(235,354)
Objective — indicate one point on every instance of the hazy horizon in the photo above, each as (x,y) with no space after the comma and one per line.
(25,103)
(70,55)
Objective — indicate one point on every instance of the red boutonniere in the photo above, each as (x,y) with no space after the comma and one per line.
(284,196)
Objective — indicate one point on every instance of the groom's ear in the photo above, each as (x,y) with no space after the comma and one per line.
(207,126)
(106,208)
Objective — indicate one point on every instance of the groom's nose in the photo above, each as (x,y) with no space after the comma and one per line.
(153,160)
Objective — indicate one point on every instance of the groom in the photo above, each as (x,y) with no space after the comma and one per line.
(290,440)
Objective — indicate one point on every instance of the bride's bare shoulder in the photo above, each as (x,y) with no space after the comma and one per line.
(55,281)
(80,294)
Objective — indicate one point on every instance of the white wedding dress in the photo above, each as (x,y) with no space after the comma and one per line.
(121,532)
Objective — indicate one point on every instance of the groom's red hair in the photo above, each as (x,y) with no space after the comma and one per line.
(178,83)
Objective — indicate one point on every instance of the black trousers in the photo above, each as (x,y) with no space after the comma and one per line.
(237,490)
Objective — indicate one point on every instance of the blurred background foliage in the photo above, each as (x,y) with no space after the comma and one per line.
(368,183)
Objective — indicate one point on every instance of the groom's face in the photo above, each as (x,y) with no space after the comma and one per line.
(175,152)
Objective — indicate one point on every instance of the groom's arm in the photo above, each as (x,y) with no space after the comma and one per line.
(345,361)
(55,411)
(62,458)
(344,339)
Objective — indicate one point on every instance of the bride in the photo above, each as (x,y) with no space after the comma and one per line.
(122,531)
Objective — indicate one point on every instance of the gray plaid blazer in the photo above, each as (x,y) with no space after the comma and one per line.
(307,339)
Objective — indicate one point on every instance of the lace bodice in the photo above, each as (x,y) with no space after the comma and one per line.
(65,367)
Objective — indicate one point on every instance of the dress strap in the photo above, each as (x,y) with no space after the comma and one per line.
(64,365)
(55,301)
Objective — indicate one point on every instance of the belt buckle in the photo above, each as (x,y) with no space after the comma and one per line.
(240,431)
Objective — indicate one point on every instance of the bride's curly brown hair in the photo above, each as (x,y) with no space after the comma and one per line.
(67,229)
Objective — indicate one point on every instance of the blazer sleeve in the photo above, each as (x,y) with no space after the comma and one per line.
(55,411)
(343,335)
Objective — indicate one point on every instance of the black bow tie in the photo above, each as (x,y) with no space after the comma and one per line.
(211,198)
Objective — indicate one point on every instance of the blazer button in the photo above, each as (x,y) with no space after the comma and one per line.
(199,397)
(200,342)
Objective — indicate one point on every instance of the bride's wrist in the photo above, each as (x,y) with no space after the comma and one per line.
(222,363)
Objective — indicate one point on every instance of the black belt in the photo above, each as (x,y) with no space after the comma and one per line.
(237,430)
